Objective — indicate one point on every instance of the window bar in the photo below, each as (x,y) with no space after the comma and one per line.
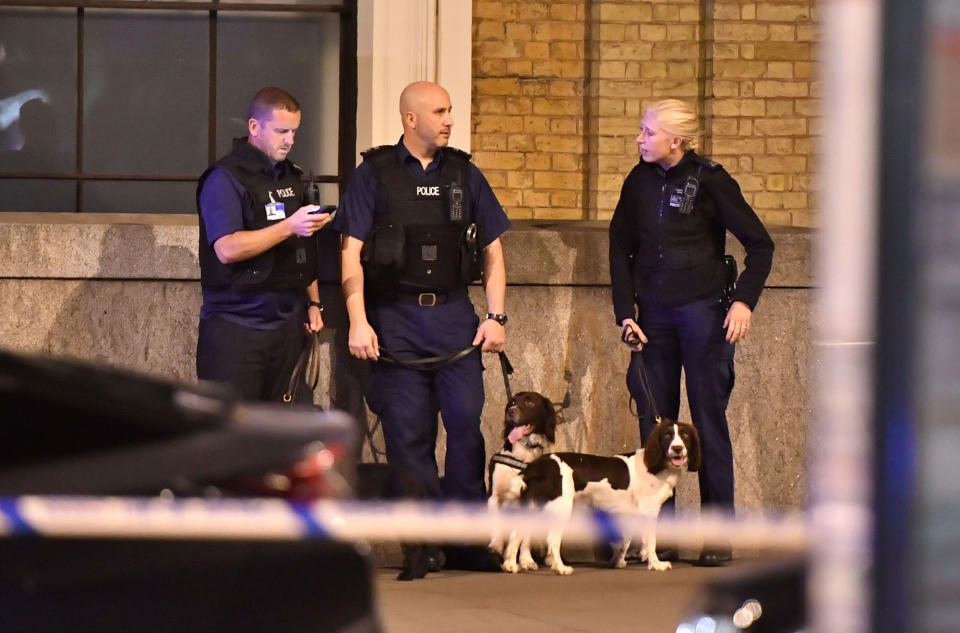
(77,190)
(346,160)
(212,91)
(178,5)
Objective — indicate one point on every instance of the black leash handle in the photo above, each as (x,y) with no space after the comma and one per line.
(507,369)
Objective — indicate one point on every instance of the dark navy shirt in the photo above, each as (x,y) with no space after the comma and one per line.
(363,200)
(222,212)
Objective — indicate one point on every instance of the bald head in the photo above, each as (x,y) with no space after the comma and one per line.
(416,94)
(426,117)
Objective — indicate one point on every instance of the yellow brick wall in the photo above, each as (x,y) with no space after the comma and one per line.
(559,87)
(528,104)
(761,103)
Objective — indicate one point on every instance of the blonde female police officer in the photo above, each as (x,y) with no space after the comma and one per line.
(667,242)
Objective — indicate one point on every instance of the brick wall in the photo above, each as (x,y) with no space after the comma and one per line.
(559,87)
(528,105)
(761,106)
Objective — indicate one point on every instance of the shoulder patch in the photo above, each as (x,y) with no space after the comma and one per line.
(459,153)
(297,169)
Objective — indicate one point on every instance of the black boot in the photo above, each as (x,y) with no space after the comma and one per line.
(471,558)
(714,557)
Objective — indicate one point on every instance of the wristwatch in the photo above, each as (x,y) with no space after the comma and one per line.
(315,303)
(499,318)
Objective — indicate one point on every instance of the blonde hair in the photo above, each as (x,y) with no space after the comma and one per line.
(678,120)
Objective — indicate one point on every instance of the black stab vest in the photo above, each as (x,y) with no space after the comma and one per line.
(288,265)
(431,257)
(681,241)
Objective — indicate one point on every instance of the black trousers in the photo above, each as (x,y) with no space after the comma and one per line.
(257,363)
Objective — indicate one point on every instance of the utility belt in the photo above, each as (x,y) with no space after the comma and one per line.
(429,299)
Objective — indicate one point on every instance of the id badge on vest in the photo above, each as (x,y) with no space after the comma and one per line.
(275,210)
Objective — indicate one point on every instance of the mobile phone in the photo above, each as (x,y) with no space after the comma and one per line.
(327,208)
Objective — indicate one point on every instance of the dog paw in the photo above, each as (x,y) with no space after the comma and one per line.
(660,565)
(563,570)
(528,565)
(510,566)
(618,563)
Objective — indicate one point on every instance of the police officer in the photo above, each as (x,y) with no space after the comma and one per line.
(411,218)
(667,242)
(257,256)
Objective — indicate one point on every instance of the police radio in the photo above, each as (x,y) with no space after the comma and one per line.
(690,188)
(312,191)
(456,203)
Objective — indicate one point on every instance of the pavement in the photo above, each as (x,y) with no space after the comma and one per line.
(594,599)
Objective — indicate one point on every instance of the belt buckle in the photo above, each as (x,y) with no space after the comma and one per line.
(427,299)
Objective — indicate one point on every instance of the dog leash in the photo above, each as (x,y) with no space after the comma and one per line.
(426,364)
(307,369)
(507,369)
(429,364)
(645,383)
(631,338)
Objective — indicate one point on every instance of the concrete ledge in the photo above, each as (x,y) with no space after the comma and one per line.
(128,246)
(124,290)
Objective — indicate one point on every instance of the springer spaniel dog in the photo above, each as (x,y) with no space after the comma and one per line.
(529,430)
(635,484)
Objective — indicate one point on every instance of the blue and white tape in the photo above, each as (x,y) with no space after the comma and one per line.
(276,519)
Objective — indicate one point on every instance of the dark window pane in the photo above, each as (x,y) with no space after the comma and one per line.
(38,195)
(299,52)
(323,3)
(38,101)
(125,196)
(146,77)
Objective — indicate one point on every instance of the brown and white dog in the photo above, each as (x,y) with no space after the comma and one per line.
(529,431)
(636,484)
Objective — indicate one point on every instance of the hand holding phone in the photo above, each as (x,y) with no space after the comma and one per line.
(327,208)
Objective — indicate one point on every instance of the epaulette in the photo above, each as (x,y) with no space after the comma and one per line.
(380,155)
(459,153)
(706,162)
(375,150)
(297,169)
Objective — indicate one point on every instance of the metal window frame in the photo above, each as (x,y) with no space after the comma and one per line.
(347,134)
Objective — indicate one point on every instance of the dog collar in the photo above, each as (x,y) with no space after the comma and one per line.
(506,459)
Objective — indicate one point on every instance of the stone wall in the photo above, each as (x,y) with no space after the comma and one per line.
(115,290)
(559,89)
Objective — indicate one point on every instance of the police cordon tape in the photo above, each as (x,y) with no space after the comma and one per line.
(356,521)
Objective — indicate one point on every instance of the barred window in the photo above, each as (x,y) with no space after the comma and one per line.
(119,105)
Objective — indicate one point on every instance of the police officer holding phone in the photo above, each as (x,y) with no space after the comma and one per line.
(257,256)
(419,222)
(672,291)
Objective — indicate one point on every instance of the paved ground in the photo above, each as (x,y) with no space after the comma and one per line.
(593,599)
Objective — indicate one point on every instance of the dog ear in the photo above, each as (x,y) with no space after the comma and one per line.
(694,454)
(549,420)
(654,457)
